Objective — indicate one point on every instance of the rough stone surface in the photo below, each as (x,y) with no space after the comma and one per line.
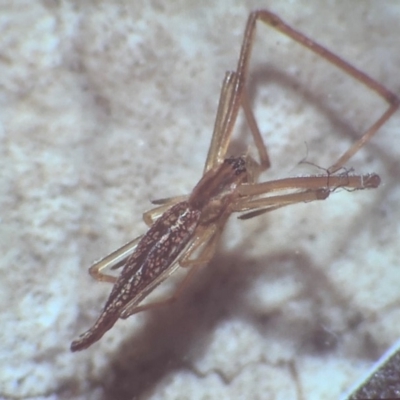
(105,106)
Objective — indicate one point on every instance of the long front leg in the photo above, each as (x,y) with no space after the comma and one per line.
(114,260)
(275,22)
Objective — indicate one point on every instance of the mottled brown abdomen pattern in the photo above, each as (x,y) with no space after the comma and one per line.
(155,253)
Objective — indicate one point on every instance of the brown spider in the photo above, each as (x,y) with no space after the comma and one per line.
(184,230)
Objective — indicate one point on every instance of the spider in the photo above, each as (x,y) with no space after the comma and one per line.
(184,230)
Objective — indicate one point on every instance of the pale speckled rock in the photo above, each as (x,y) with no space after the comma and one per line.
(106,106)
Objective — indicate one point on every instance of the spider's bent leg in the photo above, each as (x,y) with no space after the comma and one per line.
(275,22)
(265,162)
(228,107)
(114,260)
(232,97)
(150,216)
(209,240)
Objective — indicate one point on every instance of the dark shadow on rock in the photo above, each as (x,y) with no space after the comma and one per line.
(175,334)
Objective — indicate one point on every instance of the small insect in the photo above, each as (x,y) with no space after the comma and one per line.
(184,230)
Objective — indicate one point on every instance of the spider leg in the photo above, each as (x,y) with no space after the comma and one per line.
(113,261)
(149,217)
(209,240)
(275,22)
(231,98)
(233,95)
(266,204)
(316,182)
(117,259)
(227,111)
(311,188)
(169,200)
(265,162)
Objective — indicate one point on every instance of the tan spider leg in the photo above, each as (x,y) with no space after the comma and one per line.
(209,238)
(331,182)
(258,140)
(117,259)
(169,200)
(274,202)
(275,22)
(261,211)
(314,188)
(205,256)
(228,108)
(221,134)
(152,215)
(114,260)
